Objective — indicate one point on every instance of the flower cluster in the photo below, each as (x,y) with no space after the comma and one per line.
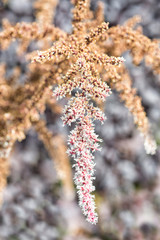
(83,141)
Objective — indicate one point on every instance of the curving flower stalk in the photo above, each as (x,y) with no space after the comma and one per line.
(83,141)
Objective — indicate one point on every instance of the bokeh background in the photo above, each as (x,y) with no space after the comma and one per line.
(127,180)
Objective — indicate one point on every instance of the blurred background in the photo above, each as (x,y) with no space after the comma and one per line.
(127,180)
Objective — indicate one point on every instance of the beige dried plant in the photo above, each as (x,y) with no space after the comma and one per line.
(83,66)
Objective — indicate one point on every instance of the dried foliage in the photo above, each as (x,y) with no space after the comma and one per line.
(83,66)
